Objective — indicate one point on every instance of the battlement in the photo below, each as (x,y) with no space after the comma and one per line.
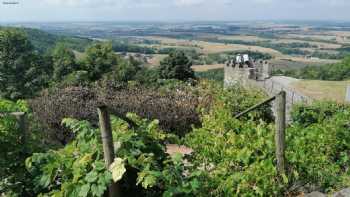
(241,70)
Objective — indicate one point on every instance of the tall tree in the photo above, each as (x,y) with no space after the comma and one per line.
(100,59)
(63,62)
(176,66)
(22,71)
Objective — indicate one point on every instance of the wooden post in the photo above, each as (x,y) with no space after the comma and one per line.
(280,132)
(108,148)
(271,86)
(21,120)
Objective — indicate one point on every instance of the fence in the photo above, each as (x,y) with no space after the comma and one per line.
(281,121)
(22,123)
(272,87)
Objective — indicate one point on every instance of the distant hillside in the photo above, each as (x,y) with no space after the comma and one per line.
(44,41)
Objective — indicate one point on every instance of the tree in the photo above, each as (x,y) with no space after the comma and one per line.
(63,62)
(176,66)
(100,59)
(22,71)
(127,70)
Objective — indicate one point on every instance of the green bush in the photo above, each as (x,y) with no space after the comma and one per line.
(142,168)
(215,74)
(316,113)
(14,179)
(176,66)
(237,157)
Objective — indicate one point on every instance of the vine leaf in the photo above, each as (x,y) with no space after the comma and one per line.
(117,169)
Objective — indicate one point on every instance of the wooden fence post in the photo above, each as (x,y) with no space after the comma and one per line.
(280,132)
(271,86)
(108,148)
(21,120)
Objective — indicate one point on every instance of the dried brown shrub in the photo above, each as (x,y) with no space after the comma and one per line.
(175,109)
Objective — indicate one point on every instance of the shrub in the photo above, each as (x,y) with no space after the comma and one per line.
(237,157)
(142,168)
(318,150)
(215,74)
(176,66)
(316,113)
(174,108)
(14,179)
(23,72)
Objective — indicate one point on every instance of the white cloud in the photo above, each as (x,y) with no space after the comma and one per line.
(188,2)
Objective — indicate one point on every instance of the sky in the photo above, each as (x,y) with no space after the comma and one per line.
(172,10)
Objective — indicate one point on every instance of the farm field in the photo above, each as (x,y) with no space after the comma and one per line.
(209,47)
(212,47)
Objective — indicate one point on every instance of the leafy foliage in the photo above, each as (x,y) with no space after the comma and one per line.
(22,71)
(215,74)
(231,157)
(100,59)
(318,154)
(78,168)
(14,179)
(176,66)
(63,62)
(332,72)
(44,42)
(237,157)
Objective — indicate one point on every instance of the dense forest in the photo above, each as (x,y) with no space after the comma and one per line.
(61,154)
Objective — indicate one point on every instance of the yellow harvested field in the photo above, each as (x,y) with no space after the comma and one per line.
(323,90)
(208,47)
(203,68)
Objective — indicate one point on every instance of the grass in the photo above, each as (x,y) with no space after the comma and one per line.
(323,90)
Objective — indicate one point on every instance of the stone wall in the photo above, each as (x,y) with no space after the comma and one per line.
(251,77)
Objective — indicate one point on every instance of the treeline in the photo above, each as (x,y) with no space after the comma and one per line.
(119,46)
(221,58)
(24,71)
(333,72)
(43,41)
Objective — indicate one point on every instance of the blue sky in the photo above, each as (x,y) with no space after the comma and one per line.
(173,10)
